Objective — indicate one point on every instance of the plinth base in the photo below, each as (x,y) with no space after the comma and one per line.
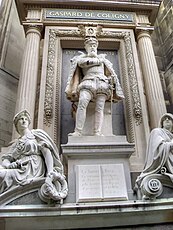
(98,168)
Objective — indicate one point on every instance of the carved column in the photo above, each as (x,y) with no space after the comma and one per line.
(29,71)
(153,88)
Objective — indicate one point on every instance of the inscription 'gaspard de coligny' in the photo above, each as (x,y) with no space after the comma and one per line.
(83,14)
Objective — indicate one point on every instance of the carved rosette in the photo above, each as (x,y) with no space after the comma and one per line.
(151,187)
(53,34)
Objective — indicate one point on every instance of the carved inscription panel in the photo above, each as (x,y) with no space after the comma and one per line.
(100,182)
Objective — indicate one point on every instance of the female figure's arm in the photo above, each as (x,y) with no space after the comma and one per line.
(47,157)
(7,159)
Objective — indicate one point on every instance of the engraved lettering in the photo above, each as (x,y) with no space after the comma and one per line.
(83,14)
(101,182)
(89,14)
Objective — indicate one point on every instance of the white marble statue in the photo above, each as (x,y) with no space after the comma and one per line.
(31,157)
(92,78)
(158,167)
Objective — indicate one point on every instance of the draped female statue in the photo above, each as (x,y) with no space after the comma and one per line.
(158,167)
(31,157)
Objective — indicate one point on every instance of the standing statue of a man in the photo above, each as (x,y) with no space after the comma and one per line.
(92,78)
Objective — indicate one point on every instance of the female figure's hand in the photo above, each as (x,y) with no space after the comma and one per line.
(13,165)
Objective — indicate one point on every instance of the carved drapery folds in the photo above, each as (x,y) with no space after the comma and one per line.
(53,34)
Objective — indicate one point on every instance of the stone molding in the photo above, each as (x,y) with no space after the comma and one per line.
(119,213)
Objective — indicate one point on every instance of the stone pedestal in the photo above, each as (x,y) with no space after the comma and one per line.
(98,168)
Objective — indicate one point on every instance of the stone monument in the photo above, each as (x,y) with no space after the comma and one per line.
(98,165)
(92,79)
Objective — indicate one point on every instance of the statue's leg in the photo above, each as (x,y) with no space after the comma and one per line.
(84,99)
(99,114)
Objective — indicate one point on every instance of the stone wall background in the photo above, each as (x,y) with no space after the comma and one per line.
(162,38)
(12,41)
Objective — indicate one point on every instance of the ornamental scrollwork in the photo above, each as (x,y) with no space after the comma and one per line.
(48,102)
(137,110)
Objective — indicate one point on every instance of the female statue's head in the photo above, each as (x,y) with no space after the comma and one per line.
(166,121)
(22,120)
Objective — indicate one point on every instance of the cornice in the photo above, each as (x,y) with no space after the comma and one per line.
(151,6)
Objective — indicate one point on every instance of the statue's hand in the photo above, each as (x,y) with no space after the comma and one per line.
(13,165)
(74,94)
(19,162)
(6,163)
(96,61)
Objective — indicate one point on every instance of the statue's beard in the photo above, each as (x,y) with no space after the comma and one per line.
(92,53)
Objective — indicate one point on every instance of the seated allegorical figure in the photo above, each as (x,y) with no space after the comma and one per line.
(32,156)
(159,155)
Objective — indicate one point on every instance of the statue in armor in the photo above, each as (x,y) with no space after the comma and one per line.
(92,78)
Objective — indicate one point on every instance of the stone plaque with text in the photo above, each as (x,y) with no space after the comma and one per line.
(73,14)
(100,182)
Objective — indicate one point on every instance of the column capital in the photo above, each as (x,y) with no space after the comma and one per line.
(33,28)
(143,31)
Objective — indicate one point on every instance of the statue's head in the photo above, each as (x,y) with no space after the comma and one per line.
(91,40)
(91,45)
(18,116)
(166,116)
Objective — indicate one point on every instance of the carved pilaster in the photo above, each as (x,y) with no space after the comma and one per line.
(48,103)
